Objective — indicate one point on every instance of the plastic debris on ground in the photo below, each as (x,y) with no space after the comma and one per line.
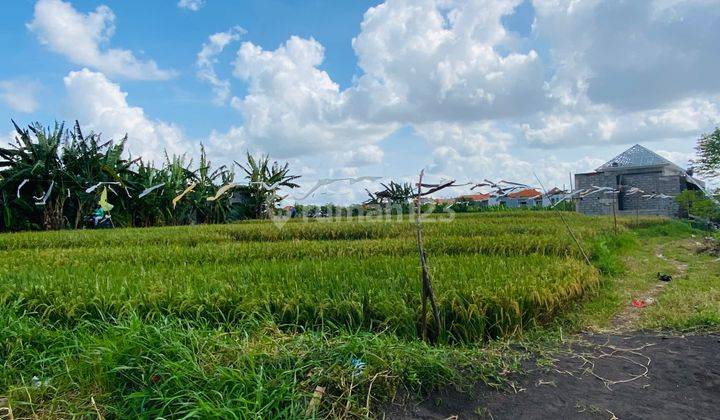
(37,383)
(641,303)
(358,366)
(664,277)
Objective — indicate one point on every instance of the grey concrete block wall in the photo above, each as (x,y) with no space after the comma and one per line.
(655,181)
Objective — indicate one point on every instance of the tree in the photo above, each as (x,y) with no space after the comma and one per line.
(51,178)
(695,203)
(687,199)
(264,181)
(392,193)
(87,161)
(205,211)
(708,151)
(32,179)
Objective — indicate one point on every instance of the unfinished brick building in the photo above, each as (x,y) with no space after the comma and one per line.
(641,168)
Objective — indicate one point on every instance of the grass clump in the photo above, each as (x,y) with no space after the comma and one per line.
(350,274)
(692,299)
(173,368)
(607,249)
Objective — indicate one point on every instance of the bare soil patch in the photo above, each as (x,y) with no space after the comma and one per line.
(638,375)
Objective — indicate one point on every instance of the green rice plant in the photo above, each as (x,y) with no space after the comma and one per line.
(493,278)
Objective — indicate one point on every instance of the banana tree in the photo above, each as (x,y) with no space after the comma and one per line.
(33,182)
(89,162)
(207,182)
(264,182)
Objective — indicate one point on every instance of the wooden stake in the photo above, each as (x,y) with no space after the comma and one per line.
(614,214)
(427,289)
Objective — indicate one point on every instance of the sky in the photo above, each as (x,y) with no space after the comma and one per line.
(466,90)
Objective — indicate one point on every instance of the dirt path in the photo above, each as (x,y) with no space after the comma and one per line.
(637,376)
(627,319)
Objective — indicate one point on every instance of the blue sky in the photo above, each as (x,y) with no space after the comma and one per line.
(467,89)
(172,37)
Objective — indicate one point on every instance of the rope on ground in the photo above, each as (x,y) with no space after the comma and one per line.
(589,360)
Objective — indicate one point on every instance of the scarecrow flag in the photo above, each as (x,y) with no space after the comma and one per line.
(103,201)
(222,191)
(187,190)
(147,191)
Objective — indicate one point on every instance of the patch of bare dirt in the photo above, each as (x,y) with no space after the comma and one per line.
(640,375)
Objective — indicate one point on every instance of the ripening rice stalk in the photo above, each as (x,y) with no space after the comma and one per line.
(495,274)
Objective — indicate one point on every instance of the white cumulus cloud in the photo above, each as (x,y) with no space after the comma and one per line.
(192,5)
(294,108)
(439,60)
(100,105)
(484,100)
(82,39)
(207,57)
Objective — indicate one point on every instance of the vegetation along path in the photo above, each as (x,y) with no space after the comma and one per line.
(659,361)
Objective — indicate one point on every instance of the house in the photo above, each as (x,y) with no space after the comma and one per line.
(469,199)
(444,201)
(637,167)
(475,199)
(554,196)
(528,197)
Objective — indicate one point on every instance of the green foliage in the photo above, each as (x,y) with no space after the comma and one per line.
(708,151)
(606,250)
(246,320)
(264,181)
(35,164)
(691,301)
(170,368)
(71,162)
(395,194)
(494,273)
(671,229)
(695,203)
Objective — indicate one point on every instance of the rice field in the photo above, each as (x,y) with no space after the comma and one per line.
(494,274)
(232,299)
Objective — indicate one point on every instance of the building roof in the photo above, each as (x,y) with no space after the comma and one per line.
(555,190)
(526,193)
(444,201)
(636,156)
(475,197)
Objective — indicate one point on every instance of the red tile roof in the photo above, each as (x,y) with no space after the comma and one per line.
(474,197)
(526,193)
